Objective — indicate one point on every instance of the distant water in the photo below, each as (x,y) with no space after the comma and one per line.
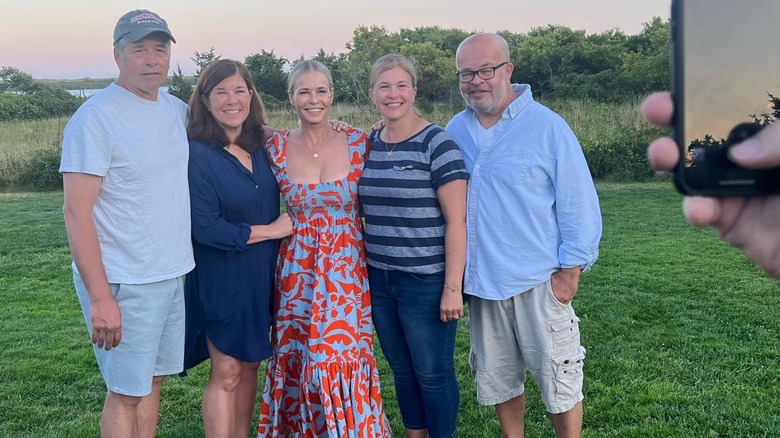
(87,92)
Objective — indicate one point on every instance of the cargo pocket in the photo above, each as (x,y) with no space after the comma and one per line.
(565,333)
(567,368)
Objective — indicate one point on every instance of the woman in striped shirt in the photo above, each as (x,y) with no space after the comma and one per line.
(413,195)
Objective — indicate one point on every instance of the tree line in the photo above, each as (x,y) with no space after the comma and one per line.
(558,62)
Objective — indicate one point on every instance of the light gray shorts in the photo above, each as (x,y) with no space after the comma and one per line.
(531,331)
(152,334)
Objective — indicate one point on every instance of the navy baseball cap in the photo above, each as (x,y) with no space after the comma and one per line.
(135,25)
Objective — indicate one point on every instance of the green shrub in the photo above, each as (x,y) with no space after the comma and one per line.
(41,103)
(55,102)
(273,104)
(38,172)
(622,156)
(18,107)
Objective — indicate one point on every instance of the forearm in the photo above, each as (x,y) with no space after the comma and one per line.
(277,229)
(81,191)
(576,207)
(85,250)
(451,305)
(452,198)
(261,233)
(454,254)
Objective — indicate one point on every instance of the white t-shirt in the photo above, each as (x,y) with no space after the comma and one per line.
(480,134)
(142,212)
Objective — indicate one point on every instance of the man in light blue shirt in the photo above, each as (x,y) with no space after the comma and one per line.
(533,226)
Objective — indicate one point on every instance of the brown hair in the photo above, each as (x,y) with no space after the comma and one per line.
(202,125)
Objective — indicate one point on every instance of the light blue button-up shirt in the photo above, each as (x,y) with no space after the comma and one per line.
(532,206)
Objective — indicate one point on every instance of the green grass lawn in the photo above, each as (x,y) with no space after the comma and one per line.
(681,333)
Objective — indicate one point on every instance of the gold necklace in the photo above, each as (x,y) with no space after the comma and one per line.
(390,150)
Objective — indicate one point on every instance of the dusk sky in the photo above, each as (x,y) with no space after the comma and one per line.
(61,40)
(739,60)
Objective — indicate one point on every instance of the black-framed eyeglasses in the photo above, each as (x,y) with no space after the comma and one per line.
(486,73)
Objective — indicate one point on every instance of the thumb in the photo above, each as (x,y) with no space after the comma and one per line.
(762,151)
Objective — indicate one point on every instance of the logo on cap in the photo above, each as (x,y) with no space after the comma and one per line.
(137,24)
(148,17)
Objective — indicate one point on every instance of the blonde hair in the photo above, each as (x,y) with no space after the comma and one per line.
(306,66)
(389,62)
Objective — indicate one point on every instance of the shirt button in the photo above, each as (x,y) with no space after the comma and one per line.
(477,166)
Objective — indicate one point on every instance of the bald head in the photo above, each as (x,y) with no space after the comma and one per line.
(485,41)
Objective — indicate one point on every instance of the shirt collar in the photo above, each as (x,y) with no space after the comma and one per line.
(524,98)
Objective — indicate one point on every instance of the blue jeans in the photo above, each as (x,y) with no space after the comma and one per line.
(418,346)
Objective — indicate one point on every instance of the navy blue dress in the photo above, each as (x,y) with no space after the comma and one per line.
(228,296)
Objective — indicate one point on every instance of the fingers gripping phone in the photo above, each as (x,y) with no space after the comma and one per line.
(726,87)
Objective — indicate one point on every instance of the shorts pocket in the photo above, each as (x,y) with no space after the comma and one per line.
(567,371)
(565,333)
(551,294)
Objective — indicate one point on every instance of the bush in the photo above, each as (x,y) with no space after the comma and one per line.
(42,103)
(18,107)
(622,157)
(37,173)
(55,102)
(273,104)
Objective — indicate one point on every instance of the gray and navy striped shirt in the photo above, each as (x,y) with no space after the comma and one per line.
(404,224)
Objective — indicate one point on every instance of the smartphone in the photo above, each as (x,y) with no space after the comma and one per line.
(726,87)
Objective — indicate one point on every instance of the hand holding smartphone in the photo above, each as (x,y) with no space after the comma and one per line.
(726,87)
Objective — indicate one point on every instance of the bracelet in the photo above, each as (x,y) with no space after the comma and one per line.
(453,289)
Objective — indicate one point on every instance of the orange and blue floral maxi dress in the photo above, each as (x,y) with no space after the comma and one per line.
(322,380)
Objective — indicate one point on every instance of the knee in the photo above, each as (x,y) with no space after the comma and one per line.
(434,368)
(126,401)
(226,376)
(433,377)
(436,377)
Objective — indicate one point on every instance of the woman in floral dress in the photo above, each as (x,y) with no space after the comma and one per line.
(322,380)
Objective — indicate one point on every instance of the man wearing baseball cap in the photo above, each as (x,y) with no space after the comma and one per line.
(127,213)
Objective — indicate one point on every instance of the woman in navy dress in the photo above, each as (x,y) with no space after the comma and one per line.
(235,230)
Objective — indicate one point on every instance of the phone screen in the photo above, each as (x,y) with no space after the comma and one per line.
(726,84)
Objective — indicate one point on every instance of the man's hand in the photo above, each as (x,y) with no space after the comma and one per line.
(564,284)
(106,323)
